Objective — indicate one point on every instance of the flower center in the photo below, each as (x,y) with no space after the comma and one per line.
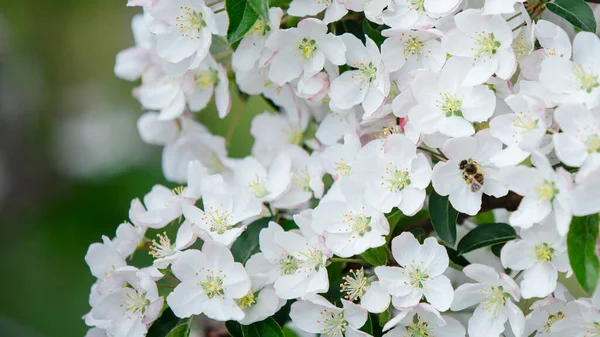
(259,28)
(219,220)
(417,276)
(134,302)
(397,179)
(487,43)
(313,259)
(296,136)
(494,300)
(417,5)
(355,285)
(258,188)
(544,253)
(526,122)
(342,168)
(247,301)
(367,72)
(449,104)
(521,46)
(207,78)
(418,329)
(594,330)
(288,265)
(414,45)
(553,319)
(190,21)
(592,143)
(301,179)
(307,47)
(335,324)
(163,248)
(546,191)
(358,223)
(213,286)
(588,81)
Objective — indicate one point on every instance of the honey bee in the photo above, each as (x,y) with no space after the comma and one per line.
(471,174)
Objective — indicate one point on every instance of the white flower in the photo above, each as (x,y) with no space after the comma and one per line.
(367,84)
(544,191)
(486,41)
(350,226)
(302,51)
(575,81)
(210,283)
(547,312)
(494,7)
(412,50)
(338,159)
(522,131)
(580,136)
(469,172)
(542,253)
(265,185)
(492,294)
(262,301)
(319,316)
(446,104)
(225,206)
(334,9)
(585,196)
(273,132)
(294,262)
(104,258)
(555,43)
(251,51)
(423,320)
(417,14)
(420,273)
(132,307)
(129,236)
(372,296)
(583,323)
(163,206)
(372,8)
(186,29)
(394,174)
(131,62)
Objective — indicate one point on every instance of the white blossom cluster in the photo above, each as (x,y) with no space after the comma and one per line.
(470,99)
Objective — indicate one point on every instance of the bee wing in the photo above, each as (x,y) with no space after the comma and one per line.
(475,185)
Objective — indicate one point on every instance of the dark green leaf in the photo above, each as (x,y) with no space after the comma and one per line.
(335,276)
(287,332)
(443,218)
(246,244)
(241,19)
(373,32)
(261,7)
(486,235)
(283,315)
(266,328)
(419,233)
(393,217)
(234,328)
(376,256)
(385,316)
(496,249)
(577,12)
(288,225)
(581,245)
(169,325)
(368,327)
(408,221)
(457,259)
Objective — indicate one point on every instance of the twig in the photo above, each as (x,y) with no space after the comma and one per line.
(213,3)
(340,260)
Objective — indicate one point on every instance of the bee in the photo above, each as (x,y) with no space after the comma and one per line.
(471,174)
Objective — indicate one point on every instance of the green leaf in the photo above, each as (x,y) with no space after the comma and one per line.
(336,278)
(577,12)
(393,218)
(287,332)
(260,7)
(288,225)
(169,325)
(581,245)
(234,328)
(373,33)
(457,259)
(443,218)
(385,316)
(246,244)
(266,328)
(486,235)
(241,19)
(368,327)
(376,256)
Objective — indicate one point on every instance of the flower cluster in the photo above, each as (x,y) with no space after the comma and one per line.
(379,104)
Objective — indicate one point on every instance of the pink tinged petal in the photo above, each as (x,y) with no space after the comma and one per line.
(188,264)
(373,101)
(153,310)
(354,314)
(308,316)
(467,295)
(346,92)
(412,200)
(185,236)
(405,247)
(131,63)
(424,119)
(375,299)
(482,273)
(394,280)
(453,328)
(530,211)
(515,318)
(174,108)
(484,323)
(187,299)
(569,149)
(479,104)
(392,53)
(439,292)
(284,67)
(333,48)
(222,309)
(334,12)
(406,301)
(539,280)
(507,64)
(173,47)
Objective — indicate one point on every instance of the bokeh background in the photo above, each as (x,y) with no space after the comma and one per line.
(70,156)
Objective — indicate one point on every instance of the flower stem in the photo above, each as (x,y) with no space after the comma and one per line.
(213,3)
(219,10)
(341,260)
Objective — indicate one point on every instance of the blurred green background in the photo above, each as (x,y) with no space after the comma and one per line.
(70,156)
